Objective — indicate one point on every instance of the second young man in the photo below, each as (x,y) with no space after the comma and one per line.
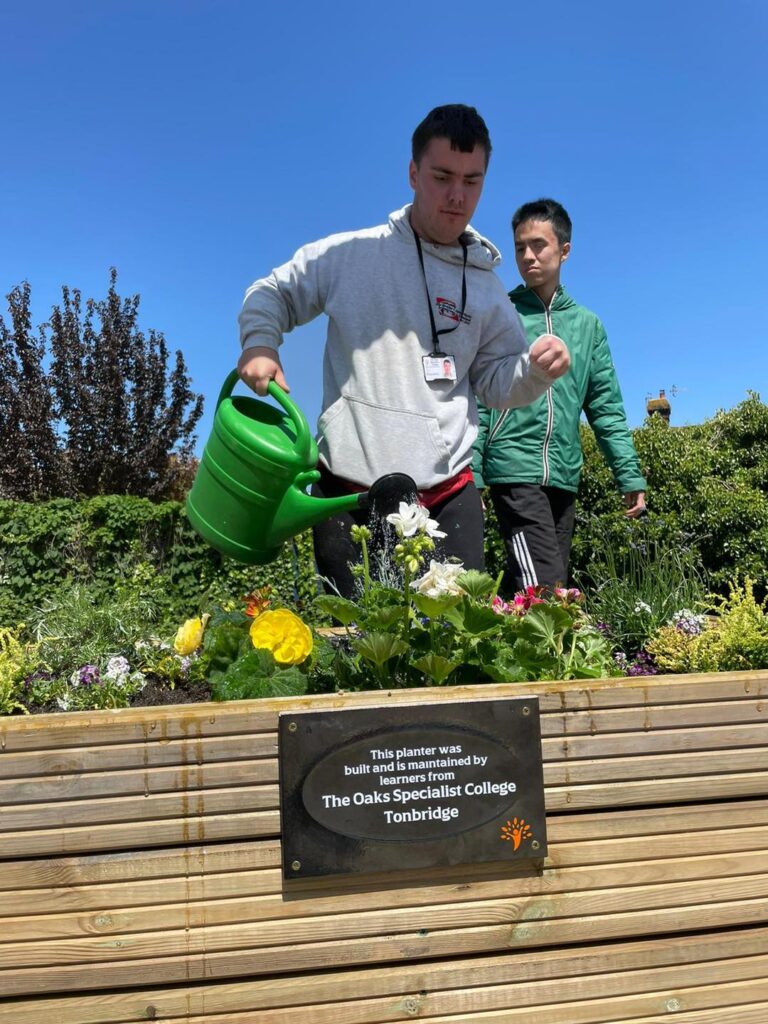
(531,457)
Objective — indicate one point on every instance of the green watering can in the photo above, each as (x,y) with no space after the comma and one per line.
(248,496)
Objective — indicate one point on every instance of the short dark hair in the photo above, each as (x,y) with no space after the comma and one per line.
(549,210)
(461,125)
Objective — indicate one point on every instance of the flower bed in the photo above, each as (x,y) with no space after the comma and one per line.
(416,621)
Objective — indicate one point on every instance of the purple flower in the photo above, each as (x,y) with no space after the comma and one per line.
(643,665)
(89,675)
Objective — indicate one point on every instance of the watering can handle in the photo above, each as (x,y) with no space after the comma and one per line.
(303,436)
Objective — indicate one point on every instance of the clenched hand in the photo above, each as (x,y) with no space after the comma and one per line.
(549,354)
(258,366)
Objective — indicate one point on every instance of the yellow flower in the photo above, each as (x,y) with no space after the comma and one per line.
(284,634)
(190,636)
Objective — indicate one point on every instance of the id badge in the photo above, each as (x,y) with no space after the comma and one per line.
(439,367)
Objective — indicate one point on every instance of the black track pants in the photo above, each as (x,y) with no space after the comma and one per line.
(536,525)
(460,516)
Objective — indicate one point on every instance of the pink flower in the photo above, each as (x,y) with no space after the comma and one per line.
(500,607)
(525,599)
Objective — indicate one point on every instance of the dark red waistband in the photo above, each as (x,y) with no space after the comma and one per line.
(429,497)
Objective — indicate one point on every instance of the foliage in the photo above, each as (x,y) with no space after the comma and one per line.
(449,626)
(707,483)
(108,417)
(634,590)
(15,660)
(241,659)
(63,543)
(737,637)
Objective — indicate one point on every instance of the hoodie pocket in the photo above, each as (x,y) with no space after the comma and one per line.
(364,441)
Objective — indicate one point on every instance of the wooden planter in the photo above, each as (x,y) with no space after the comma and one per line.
(141,873)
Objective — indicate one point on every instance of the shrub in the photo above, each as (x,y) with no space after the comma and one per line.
(707,483)
(737,637)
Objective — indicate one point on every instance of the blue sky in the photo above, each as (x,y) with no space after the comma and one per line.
(195,145)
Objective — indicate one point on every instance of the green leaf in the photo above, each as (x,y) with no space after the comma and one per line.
(476,585)
(289,683)
(434,607)
(545,622)
(383,618)
(223,645)
(339,608)
(255,674)
(472,618)
(379,647)
(436,667)
(502,671)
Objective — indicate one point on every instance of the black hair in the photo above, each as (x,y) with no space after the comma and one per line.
(548,210)
(461,125)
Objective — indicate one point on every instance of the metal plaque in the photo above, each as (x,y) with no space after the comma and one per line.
(410,786)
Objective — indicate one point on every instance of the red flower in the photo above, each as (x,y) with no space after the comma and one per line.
(257,601)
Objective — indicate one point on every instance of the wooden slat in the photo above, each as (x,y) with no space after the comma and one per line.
(636,767)
(78,760)
(572,836)
(191,721)
(667,741)
(233,956)
(693,855)
(657,791)
(205,901)
(192,801)
(408,991)
(139,835)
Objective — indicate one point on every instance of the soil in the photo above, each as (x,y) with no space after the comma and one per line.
(155,693)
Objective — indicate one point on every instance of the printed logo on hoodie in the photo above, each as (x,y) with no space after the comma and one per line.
(448,308)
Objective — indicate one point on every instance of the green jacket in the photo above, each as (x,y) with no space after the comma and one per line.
(539,443)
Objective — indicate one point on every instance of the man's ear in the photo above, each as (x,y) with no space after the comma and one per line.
(565,252)
(412,169)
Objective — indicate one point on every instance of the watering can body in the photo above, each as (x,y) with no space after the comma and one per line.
(249,496)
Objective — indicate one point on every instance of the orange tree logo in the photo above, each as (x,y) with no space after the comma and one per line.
(516,831)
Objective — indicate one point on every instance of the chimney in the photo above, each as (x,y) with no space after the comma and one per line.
(659,406)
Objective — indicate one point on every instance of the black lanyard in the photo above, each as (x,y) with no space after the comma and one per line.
(446,330)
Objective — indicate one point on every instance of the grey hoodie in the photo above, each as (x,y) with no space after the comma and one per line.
(379,414)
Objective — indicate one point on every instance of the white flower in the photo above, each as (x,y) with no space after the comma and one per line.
(440,580)
(412,519)
(63,702)
(117,669)
(641,606)
(687,621)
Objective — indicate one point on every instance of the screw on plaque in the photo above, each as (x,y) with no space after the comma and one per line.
(526,710)
(295,865)
(292,727)
(535,844)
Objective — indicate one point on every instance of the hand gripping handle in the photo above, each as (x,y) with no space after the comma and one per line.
(303,444)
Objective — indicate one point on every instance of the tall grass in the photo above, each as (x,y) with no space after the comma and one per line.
(635,591)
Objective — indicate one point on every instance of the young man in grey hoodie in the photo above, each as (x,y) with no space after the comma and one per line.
(418,323)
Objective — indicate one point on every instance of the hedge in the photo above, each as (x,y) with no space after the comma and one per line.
(708,489)
(45,545)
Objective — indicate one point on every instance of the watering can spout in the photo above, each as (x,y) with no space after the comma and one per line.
(299,511)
